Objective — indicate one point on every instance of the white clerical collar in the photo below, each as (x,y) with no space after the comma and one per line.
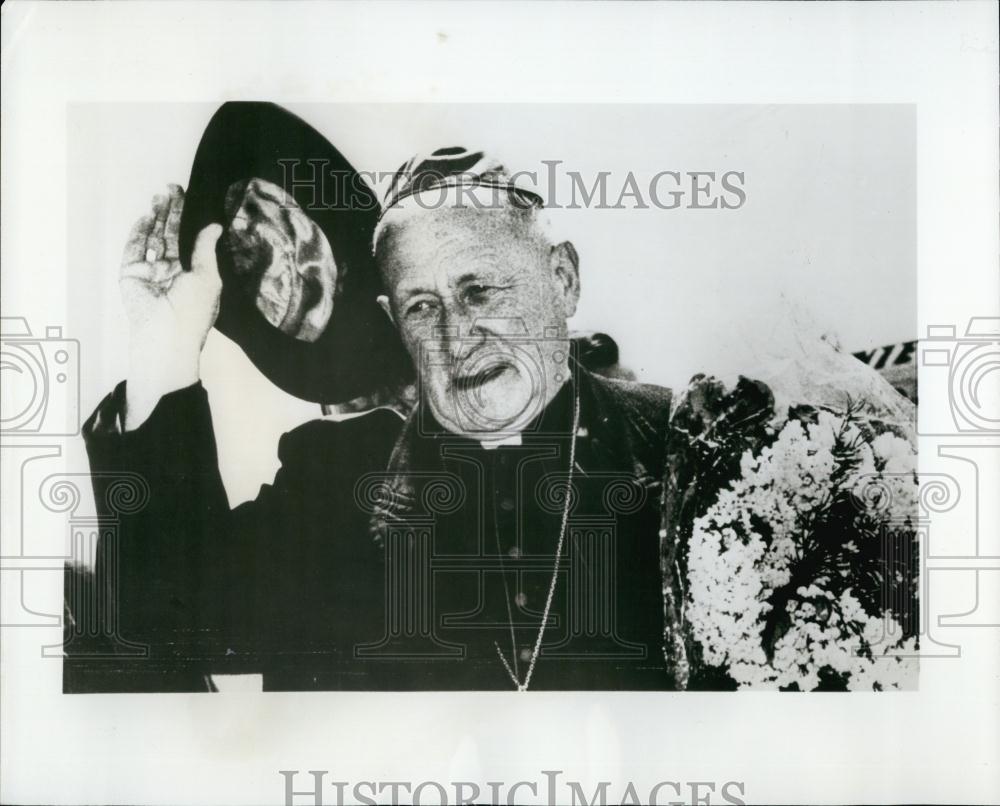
(493,444)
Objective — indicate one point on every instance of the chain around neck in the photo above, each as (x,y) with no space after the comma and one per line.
(555,569)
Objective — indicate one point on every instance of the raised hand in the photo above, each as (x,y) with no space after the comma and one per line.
(169,310)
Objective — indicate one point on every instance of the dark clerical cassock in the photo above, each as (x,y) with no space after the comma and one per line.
(387,553)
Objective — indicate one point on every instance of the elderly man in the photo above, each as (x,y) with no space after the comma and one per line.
(505,535)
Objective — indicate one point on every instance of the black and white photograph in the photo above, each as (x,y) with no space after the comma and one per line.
(500,403)
(490,491)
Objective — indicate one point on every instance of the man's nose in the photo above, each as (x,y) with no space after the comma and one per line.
(458,332)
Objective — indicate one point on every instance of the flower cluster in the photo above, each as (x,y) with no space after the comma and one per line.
(797,548)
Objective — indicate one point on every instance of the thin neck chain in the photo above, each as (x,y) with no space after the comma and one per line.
(555,569)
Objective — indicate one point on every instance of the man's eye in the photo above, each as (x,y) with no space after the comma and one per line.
(479,293)
(420,308)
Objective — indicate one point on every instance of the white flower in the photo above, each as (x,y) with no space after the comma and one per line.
(750,542)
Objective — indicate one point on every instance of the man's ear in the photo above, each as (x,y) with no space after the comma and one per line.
(565,264)
(383,301)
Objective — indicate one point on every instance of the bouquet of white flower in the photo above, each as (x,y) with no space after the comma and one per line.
(793,535)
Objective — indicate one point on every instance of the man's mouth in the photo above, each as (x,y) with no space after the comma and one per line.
(465,383)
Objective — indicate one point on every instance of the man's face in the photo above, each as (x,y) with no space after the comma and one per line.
(481,301)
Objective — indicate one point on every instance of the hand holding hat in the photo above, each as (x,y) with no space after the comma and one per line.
(299,283)
(170,311)
(264,257)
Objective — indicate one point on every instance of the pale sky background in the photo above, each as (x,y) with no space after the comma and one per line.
(828,231)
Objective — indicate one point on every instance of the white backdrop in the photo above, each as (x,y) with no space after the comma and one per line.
(828,230)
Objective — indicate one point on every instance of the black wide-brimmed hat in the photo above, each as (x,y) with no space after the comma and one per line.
(299,284)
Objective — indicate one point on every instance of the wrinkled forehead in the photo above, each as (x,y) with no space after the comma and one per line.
(417,235)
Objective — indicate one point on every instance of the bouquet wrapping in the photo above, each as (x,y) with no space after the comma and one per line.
(791,532)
